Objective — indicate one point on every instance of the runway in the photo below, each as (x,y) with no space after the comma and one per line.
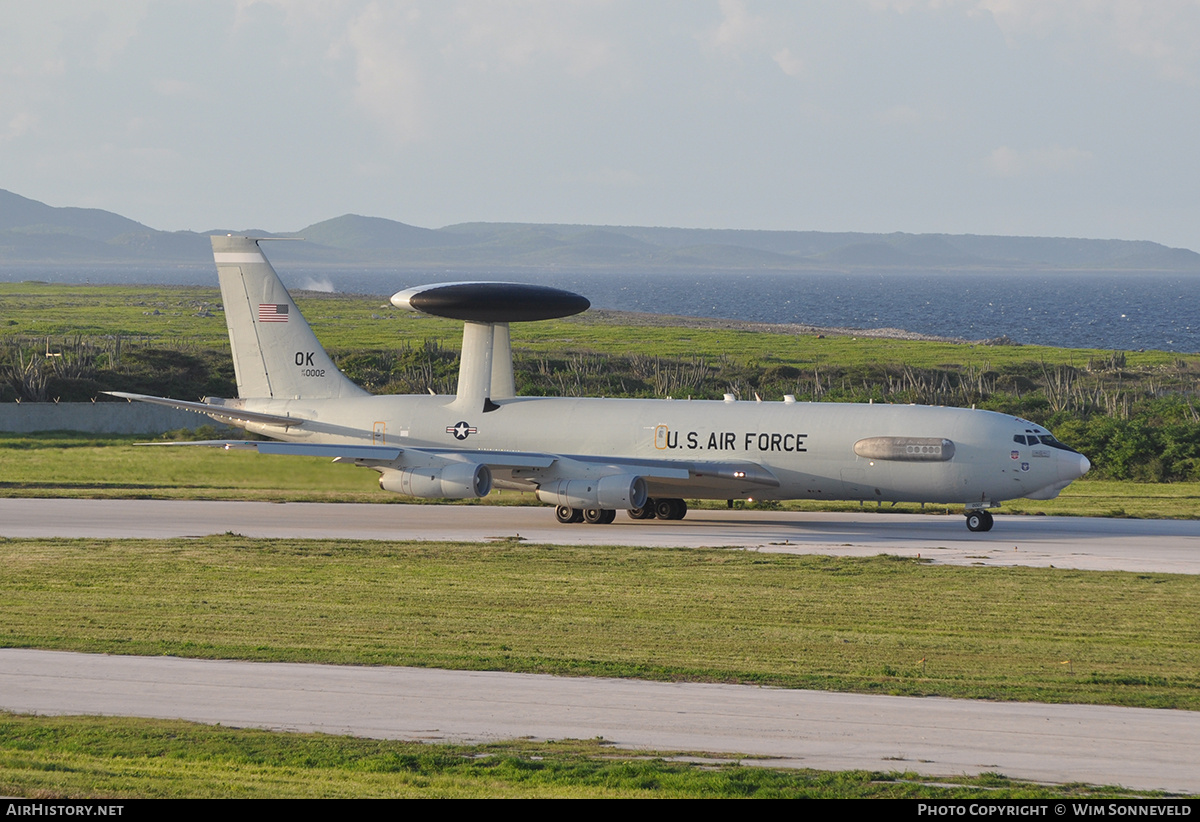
(1136,748)
(1056,743)
(1162,546)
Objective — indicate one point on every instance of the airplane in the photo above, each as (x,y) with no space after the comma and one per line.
(590,458)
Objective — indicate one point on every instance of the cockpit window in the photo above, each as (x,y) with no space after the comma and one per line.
(1048,439)
(1042,439)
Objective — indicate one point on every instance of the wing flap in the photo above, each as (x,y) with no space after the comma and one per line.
(493,459)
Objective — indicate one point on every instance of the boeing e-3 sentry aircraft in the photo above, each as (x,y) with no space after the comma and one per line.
(592,457)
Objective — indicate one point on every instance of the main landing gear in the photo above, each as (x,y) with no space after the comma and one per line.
(595,516)
(660,508)
(565,514)
(979,521)
(599,516)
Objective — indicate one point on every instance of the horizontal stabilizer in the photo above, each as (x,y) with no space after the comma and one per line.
(375,453)
(219,412)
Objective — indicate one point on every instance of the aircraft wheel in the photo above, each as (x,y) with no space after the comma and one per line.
(565,514)
(979,521)
(599,516)
(645,512)
(670,508)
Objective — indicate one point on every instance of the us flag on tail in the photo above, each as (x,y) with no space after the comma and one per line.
(272,313)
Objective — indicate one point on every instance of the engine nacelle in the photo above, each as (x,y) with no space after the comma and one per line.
(622,491)
(455,480)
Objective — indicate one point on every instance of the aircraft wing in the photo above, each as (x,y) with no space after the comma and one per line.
(522,464)
(570,466)
(740,472)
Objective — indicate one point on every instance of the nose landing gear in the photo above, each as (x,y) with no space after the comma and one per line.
(979,521)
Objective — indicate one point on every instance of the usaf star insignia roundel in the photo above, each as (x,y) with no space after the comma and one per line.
(461,430)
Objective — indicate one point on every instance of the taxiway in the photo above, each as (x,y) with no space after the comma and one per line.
(1133,747)
(1163,546)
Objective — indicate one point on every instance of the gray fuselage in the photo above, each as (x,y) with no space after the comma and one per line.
(808,447)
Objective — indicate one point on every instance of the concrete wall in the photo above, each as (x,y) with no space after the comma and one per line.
(97,417)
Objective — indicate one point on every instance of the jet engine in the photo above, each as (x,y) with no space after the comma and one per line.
(455,480)
(623,491)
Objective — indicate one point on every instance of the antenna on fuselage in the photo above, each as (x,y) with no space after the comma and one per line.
(485,372)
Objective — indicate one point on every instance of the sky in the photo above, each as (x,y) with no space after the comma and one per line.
(1072,118)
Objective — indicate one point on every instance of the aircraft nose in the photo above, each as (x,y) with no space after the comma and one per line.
(1072,466)
(1079,468)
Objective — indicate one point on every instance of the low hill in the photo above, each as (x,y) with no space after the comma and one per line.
(31,231)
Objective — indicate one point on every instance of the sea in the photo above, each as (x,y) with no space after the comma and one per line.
(1120,311)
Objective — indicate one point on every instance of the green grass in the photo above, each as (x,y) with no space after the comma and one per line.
(1112,498)
(861,625)
(76,757)
(76,465)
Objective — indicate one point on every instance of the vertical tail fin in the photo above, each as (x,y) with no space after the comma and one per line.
(275,353)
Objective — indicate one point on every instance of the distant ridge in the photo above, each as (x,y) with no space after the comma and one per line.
(352,231)
(19,213)
(31,231)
